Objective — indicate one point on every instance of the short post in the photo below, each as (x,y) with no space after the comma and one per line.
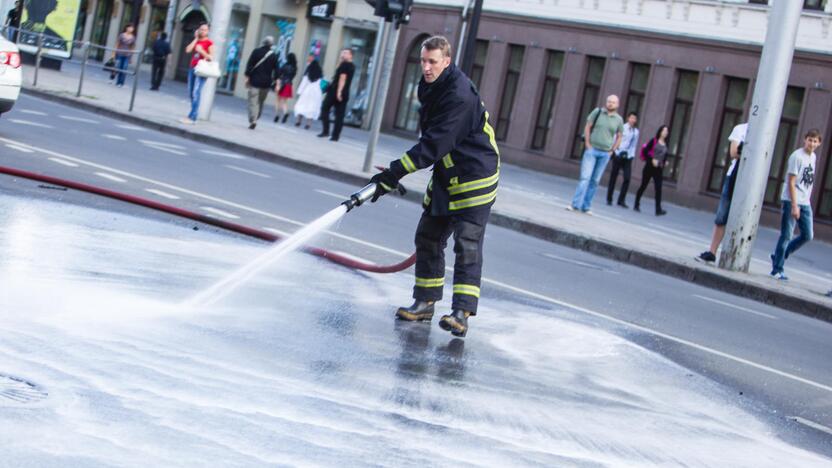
(83,67)
(384,70)
(135,81)
(37,59)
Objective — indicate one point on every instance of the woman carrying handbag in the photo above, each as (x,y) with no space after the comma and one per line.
(202,67)
(654,154)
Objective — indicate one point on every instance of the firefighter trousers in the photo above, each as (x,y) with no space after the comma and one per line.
(432,236)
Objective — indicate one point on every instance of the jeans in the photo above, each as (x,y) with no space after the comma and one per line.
(592,168)
(195,84)
(121,64)
(786,245)
(724,207)
(623,164)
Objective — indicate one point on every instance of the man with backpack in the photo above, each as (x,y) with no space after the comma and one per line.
(602,136)
(260,75)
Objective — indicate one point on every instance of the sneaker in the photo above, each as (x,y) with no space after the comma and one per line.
(252,125)
(623,205)
(187,121)
(779,275)
(571,208)
(588,213)
(418,312)
(706,257)
(322,135)
(456,322)
(661,213)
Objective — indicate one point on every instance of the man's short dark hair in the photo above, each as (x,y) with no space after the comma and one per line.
(164,35)
(814,133)
(437,43)
(634,114)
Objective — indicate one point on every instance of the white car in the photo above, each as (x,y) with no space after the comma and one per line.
(11,75)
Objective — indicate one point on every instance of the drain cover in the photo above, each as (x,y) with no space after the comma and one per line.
(15,390)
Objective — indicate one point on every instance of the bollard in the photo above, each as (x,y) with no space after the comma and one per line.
(83,67)
(37,59)
(135,82)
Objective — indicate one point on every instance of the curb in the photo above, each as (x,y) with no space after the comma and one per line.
(700,276)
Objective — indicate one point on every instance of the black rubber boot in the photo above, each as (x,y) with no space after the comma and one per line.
(419,311)
(456,323)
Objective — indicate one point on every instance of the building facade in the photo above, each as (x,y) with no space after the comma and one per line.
(543,65)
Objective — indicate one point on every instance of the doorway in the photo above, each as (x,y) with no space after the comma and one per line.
(189,25)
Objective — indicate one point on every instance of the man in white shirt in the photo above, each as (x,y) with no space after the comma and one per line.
(737,140)
(623,159)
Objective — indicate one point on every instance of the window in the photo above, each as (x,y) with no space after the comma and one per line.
(515,63)
(639,73)
(785,144)
(732,115)
(589,101)
(680,122)
(480,54)
(407,113)
(814,5)
(554,65)
(824,208)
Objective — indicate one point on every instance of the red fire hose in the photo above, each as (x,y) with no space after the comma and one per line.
(238,228)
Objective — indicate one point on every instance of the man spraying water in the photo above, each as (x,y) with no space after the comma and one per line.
(457,140)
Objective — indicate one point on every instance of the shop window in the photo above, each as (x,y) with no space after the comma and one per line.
(554,66)
(407,113)
(736,93)
(818,5)
(510,82)
(680,122)
(787,141)
(637,89)
(480,55)
(589,100)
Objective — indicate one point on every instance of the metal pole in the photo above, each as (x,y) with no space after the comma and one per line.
(83,67)
(219,34)
(381,40)
(384,82)
(471,42)
(766,107)
(135,80)
(170,19)
(37,59)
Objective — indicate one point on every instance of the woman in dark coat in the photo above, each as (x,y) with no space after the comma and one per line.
(655,157)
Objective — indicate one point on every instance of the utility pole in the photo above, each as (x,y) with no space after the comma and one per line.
(766,107)
(391,41)
(219,34)
(471,42)
(381,40)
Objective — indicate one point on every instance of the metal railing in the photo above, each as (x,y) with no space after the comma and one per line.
(40,39)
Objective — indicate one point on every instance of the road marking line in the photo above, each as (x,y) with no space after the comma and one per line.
(65,163)
(33,124)
(131,127)
(223,154)
(167,150)
(247,171)
(812,424)
(78,119)
(159,143)
(276,231)
(19,148)
(162,194)
(333,195)
(728,304)
(32,112)
(113,137)
(500,284)
(219,212)
(580,263)
(110,177)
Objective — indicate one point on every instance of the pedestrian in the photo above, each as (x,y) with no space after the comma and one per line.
(203,49)
(623,158)
(283,88)
(654,153)
(310,96)
(602,136)
(124,49)
(797,206)
(457,140)
(337,95)
(161,50)
(736,142)
(13,21)
(260,73)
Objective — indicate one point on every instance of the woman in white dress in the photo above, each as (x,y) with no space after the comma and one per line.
(310,95)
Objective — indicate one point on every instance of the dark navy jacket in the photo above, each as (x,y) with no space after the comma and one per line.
(458,141)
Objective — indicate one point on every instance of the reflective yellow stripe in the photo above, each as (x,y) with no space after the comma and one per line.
(386,187)
(426,201)
(489,130)
(473,201)
(474,185)
(448,161)
(430,282)
(468,289)
(407,163)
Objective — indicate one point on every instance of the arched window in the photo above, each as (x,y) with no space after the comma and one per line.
(407,113)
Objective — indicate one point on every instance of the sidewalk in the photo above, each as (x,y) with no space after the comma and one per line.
(529,201)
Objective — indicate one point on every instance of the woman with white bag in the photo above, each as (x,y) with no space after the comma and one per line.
(310,95)
(202,67)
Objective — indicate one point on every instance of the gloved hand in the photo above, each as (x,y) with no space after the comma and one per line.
(386,182)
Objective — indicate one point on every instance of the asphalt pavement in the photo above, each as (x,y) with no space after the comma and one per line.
(775,362)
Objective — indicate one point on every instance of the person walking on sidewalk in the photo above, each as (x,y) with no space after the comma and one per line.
(602,136)
(797,206)
(203,49)
(310,96)
(337,95)
(736,142)
(623,159)
(124,48)
(654,154)
(161,50)
(457,140)
(260,73)
(283,88)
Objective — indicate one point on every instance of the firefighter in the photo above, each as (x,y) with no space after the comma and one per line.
(457,140)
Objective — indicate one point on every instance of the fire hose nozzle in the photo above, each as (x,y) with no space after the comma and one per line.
(359,197)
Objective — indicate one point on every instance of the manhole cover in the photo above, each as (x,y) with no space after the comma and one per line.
(19,391)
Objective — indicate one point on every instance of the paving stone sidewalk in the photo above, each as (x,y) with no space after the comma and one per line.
(529,201)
